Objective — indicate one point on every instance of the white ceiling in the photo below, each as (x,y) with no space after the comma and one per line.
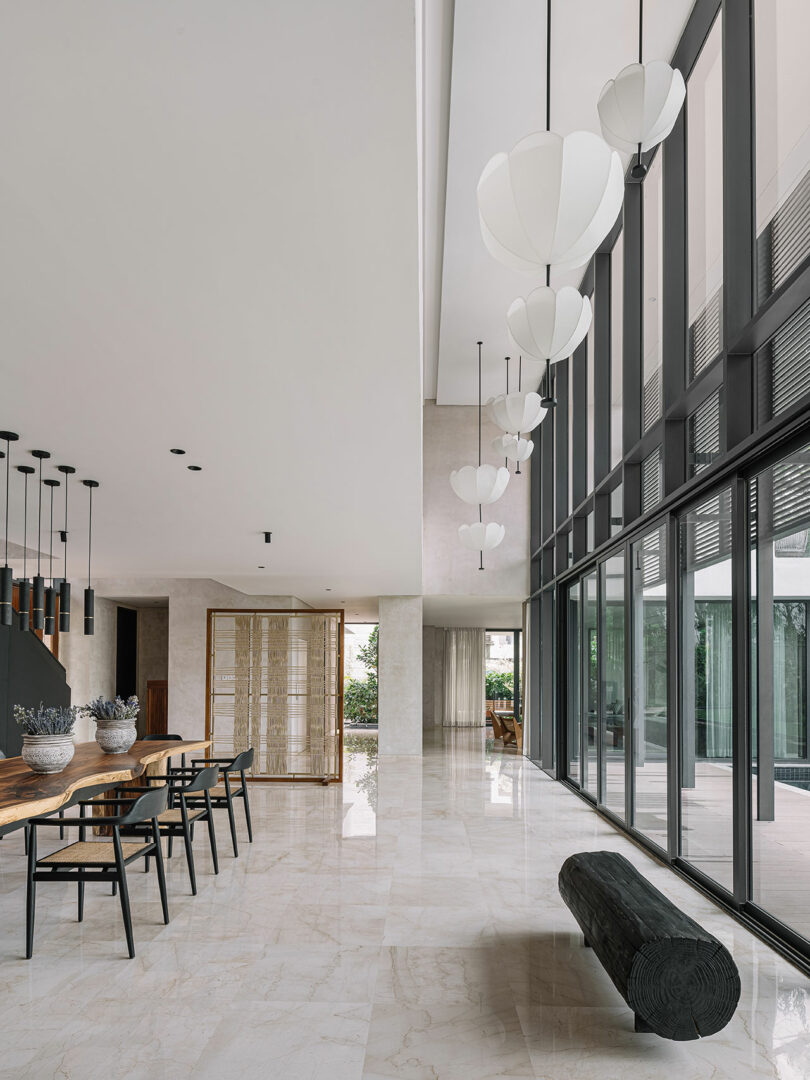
(209,220)
(491,612)
(497,97)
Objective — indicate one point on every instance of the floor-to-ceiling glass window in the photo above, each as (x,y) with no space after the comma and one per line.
(612,697)
(704,158)
(782,94)
(780,585)
(706,766)
(573,620)
(589,691)
(649,685)
(591,400)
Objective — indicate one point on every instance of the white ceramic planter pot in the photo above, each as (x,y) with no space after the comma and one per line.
(47,753)
(115,736)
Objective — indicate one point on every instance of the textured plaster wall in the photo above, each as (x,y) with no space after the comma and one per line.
(153,651)
(400,675)
(90,660)
(451,441)
(432,676)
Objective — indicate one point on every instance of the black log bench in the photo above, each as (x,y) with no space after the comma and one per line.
(679,980)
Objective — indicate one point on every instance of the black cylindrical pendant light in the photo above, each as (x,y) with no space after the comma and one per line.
(89,595)
(64,588)
(50,592)
(38,610)
(24,586)
(6,576)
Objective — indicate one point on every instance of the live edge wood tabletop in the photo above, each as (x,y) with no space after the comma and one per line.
(24,794)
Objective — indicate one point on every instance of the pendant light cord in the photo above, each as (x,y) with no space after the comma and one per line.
(25,530)
(640,27)
(548,96)
(39,520)
(89,536)
(8,469)
(50,552)
(66,520)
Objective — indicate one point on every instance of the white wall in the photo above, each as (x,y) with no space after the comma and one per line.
(451,441)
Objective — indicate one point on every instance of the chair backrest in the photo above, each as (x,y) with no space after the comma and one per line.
(146,806)
(242,761)
(205,778)
(162,738)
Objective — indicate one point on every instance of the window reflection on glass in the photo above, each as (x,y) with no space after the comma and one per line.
(574,668)
(616,346)
(612,698)
(704,128)
(706,736)
(649,690)
(616,509)
(780,582)
(652,269)
(782,82)
(589,691)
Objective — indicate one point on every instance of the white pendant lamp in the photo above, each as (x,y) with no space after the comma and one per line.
(481,537)
(471,484)
(484,484)
(517,412)
(551,201)
(513,447)
(638,109)
(550,323)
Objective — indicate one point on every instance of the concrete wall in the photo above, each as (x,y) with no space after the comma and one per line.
(400,675)
(90,661)
(451,441)
(153,651)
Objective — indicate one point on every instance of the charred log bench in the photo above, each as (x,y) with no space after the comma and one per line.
(679,980)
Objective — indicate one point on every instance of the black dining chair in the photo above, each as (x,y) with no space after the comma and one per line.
(223,795)
(99,860)
(166,738)
(180,818)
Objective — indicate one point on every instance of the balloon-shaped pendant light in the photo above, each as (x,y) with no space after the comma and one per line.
(50,592)
(483,484)
(517,412)
(638,109)
(24,585)
(550,323)
(64,588)
(552,199)
(38,608)
(512,446)
(89,594)
(479,481)
(6,573)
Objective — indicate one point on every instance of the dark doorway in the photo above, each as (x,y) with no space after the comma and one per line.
(126,659)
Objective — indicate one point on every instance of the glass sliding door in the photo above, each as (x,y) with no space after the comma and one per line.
(649,685)
(780,585)
(706,765)
(589,691)
(574,673)
(612,698)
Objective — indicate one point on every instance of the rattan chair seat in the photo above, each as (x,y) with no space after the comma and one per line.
(84,852)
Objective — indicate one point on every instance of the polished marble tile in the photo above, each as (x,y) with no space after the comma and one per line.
(405,926)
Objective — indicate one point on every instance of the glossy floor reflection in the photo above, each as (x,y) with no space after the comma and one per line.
(405,925)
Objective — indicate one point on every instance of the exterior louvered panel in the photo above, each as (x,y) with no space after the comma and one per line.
(651,400)
(784,241)
(706,532)
(703,433)
(705,336)
(651,480)
(652,556)
(783,366)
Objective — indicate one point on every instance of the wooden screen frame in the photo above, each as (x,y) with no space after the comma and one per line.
(295,779)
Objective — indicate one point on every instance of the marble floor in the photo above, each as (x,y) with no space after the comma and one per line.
(405,925)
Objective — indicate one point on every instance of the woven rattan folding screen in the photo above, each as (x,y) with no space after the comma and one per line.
(275,682)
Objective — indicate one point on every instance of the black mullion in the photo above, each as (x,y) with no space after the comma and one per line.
(741,653)
(673,614)
(601,368)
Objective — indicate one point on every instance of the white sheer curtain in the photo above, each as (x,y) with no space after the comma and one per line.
(464,678)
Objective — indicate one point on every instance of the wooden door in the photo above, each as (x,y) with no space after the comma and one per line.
(157,707)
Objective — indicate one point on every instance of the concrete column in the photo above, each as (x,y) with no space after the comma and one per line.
(400,675)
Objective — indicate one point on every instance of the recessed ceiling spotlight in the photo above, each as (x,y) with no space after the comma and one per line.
(260,568)
(194,468)
(176,451)
(327,590)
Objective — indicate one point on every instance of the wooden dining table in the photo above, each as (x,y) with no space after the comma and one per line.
(24,794)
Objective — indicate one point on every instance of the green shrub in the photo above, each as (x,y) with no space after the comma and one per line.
(499,686)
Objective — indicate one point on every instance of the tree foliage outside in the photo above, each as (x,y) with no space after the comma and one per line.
(499,686)
(360,695)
